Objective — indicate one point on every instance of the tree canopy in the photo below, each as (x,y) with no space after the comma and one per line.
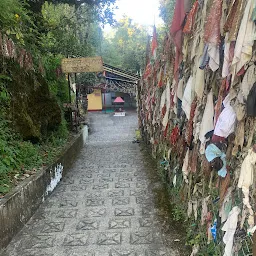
(103,8)
(166,10)
(125,45)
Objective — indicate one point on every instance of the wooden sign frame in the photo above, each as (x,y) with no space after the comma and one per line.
(82,65)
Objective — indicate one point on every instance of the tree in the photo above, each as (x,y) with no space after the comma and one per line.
(103,8)
(166,10)
(126,46)
(70,32)
(15,20)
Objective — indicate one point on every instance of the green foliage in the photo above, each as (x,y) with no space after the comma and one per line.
(126,47)
(87,78)
(50,30)
(15,20)
(59,22)
(9,152)
(178,213)
(167,10)
(4,94)
(103,9)
(58,137)
(28,155)
(18,157)
(70,31)
(58,83)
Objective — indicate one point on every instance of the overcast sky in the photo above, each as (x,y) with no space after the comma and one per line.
(141,11)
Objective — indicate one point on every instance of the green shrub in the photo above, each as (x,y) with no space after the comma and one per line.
(15,20)
(29,156)
(18,157)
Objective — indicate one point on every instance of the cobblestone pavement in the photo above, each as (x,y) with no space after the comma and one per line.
(105,206)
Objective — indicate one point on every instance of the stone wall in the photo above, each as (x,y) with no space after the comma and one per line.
(33,110)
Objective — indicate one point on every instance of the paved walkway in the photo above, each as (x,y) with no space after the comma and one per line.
(110,204)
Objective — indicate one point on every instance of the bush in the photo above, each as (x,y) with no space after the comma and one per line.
(15,20)
(20,157)
(29,155)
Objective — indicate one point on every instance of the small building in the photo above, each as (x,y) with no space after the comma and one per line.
(95,100)
(117,83)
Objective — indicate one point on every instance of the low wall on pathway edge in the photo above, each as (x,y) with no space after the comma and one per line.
(18,206)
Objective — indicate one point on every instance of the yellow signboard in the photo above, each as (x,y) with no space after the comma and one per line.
(82,65)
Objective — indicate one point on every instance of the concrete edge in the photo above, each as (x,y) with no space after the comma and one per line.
(18,206)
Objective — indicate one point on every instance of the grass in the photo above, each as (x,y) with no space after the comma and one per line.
(21,159)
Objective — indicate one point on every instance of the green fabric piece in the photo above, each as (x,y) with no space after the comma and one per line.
(254,13)
(228,207)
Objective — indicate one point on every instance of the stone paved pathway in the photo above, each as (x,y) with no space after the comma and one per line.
(105,206)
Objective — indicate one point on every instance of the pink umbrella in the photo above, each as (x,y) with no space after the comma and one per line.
(118,100)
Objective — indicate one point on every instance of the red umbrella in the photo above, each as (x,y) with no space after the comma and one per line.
(118,100)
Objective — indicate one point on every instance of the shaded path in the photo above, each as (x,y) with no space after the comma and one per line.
(105,206)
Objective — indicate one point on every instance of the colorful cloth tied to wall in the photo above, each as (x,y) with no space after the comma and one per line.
(199,108)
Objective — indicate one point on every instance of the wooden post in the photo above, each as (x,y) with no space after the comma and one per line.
(105,101)
(69,95)
(77,114)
